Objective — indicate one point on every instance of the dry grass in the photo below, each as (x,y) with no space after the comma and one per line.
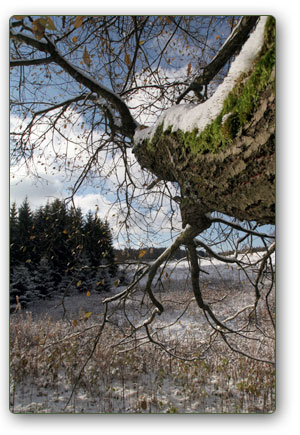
(44,367)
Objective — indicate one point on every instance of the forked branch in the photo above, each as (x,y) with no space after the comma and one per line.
(235,41)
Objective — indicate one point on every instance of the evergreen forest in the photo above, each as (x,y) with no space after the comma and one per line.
(56,249)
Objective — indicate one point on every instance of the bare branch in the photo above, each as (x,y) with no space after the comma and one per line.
(235,41)
(29,62)
(128,123)
(215,255)
(240,228)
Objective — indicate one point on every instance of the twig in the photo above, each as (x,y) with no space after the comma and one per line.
(244,353)
(96,341)
(235,40)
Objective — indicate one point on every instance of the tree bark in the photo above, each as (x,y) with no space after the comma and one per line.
(236,176)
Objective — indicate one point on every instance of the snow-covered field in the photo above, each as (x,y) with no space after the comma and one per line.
(49,351)
(215,274)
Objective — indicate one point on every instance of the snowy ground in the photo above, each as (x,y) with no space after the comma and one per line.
(215,275)
(145,379)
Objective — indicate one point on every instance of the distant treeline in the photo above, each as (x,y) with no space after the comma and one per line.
(151,253)
(148,254)
(246,250)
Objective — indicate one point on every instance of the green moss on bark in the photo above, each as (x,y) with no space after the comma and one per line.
(238,107)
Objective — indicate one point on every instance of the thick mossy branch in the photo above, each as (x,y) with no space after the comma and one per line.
(230,165)
(238,107)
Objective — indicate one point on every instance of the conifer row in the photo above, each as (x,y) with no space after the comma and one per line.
(56,248)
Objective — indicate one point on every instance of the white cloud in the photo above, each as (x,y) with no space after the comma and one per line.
(38,193)
(95,201)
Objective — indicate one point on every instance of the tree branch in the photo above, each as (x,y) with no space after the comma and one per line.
(269,252)
(195,271)
(215,255)
(234,42)
(240,228)
(25,62)
(129,124)
(188,234)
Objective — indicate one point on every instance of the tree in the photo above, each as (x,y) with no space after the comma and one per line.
(98,248)
(211,158)
(13,236)
(43,279)
(24,231)
(21,288)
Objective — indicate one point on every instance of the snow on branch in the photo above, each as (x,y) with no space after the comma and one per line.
(235,40)
(187,117)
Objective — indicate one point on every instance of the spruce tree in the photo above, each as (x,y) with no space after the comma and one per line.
(14,237)
(99,252)
(40,231)
(58,252)
(91,237)
(75,236)
(25,233)
(43,280)
(98,241)
(108,252)
(21,288)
